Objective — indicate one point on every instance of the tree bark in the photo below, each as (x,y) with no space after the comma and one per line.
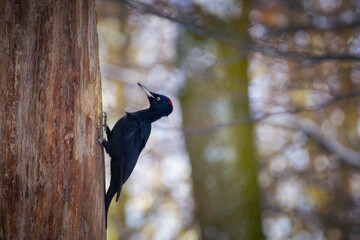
(51,167)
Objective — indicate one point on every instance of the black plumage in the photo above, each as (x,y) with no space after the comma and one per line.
(128,138)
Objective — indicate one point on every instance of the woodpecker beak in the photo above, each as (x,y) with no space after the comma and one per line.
(147,92)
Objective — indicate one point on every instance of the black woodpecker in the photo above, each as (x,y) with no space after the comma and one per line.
(128,138)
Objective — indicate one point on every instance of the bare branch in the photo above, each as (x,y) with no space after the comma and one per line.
(345,154)
(231,38)
(213,128)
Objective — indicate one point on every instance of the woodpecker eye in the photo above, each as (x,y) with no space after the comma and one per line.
(158,98)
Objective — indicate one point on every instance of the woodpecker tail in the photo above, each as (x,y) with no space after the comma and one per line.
(116,170)
(113,188)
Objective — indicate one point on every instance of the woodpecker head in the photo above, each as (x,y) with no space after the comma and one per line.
(159,104)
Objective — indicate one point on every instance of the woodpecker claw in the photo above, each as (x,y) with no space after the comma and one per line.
(101,139)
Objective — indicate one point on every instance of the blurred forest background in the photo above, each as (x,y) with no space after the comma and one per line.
(264,139)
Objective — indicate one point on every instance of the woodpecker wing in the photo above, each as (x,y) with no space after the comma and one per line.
(129,137)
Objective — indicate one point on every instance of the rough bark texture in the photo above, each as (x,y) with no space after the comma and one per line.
(51,167)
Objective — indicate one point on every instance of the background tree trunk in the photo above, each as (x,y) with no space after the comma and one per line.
(51,166)
(224,162)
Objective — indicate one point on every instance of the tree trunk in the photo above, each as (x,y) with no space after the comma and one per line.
(51,166)
(224,163)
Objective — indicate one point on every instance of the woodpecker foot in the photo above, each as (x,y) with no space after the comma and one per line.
(101,139)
